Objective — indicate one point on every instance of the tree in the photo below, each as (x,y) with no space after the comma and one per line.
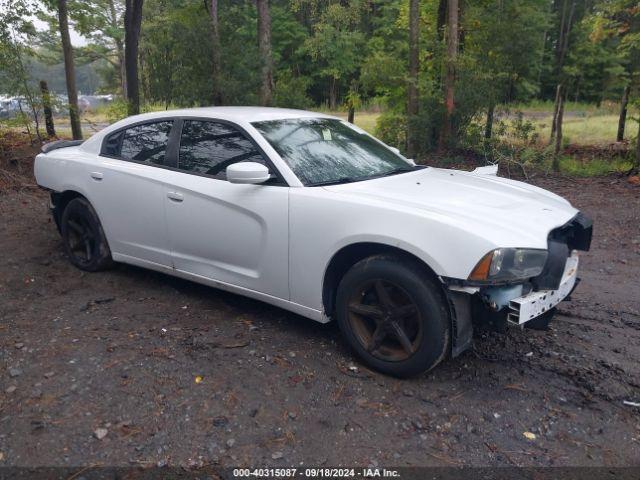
(557,121)
(336,46)
(132,23)
(566,23)
(619,20)
(16,30)
(450,76)
(69,69)
(101,23)
(266,57)
(622,118)
(46,106)
(216,65)
(414,67)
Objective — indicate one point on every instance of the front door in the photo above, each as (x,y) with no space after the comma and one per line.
(231,233)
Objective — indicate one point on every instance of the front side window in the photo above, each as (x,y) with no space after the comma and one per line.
(322,151)
(143,143)
(210,147)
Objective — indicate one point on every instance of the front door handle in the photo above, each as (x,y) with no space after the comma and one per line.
(97,176)
(175,196)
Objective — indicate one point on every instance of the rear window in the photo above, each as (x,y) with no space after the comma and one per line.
(142,143)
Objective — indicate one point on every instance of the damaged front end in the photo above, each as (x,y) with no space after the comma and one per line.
(528,302)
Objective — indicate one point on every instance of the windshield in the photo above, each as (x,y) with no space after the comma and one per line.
(322,151)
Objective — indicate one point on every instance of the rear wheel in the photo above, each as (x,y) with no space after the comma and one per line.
(393,315)
(83,237)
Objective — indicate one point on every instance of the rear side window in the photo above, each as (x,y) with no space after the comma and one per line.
(142,143)
(210,147)
(112,144)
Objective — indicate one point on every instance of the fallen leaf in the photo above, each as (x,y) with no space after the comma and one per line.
(529,435)
(198,379)
(515,386)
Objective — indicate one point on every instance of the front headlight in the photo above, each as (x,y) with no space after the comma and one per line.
(508,264)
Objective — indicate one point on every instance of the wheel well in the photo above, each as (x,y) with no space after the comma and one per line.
(348,256)
(60,201)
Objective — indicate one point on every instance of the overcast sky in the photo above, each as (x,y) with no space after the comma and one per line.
(77,40)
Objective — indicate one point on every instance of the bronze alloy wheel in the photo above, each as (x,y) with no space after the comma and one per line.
(385,320)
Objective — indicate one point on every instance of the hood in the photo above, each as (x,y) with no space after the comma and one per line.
(508,211)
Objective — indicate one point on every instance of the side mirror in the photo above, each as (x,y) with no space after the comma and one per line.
(248,173)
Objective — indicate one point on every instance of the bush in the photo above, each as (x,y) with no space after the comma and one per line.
(114,111)
(513,142)
(391,128)
(291,91)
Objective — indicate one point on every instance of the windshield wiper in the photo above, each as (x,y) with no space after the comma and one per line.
(342,180)
(336,182)
(396,171)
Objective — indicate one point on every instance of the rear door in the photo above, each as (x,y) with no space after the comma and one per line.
(231,233)
(128,193)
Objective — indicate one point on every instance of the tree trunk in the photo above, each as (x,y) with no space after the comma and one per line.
(215,59)
(333,94)
(414,66)
(560,41)
(558,122)
(488,128)
(352,114)
(623,113)
(556,105)
(564,44)
(637,165)
(132,23)
(114,23)
(450,78)
(122,68)
(566,23)
(442,19)
(264,46)
(46,106)
(69,70)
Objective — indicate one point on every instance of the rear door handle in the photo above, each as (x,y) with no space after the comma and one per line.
(96,176)
(174,196)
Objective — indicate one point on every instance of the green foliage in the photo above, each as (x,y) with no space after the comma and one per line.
(114,111)
(291,91)
(354,54)
(514,143)
(594,167)
(391,128)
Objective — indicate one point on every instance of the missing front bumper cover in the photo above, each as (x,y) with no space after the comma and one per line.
(534,304)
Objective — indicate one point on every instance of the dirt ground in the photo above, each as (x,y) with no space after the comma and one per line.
(180,374)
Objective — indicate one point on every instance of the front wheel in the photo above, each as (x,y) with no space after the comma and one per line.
(83,237)
(393,315)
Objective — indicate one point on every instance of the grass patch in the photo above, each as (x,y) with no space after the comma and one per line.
(365,120)
(594,167)
(577,108)
(589,130)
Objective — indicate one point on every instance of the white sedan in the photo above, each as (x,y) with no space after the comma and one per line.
(310,213)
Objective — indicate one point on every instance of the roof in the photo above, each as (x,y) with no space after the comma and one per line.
(234,114)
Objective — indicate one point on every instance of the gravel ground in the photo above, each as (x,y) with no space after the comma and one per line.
(131,367)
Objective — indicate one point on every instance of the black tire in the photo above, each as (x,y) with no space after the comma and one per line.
(426,338)
(83,238)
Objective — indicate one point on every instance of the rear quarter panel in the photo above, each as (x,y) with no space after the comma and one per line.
(64,169)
